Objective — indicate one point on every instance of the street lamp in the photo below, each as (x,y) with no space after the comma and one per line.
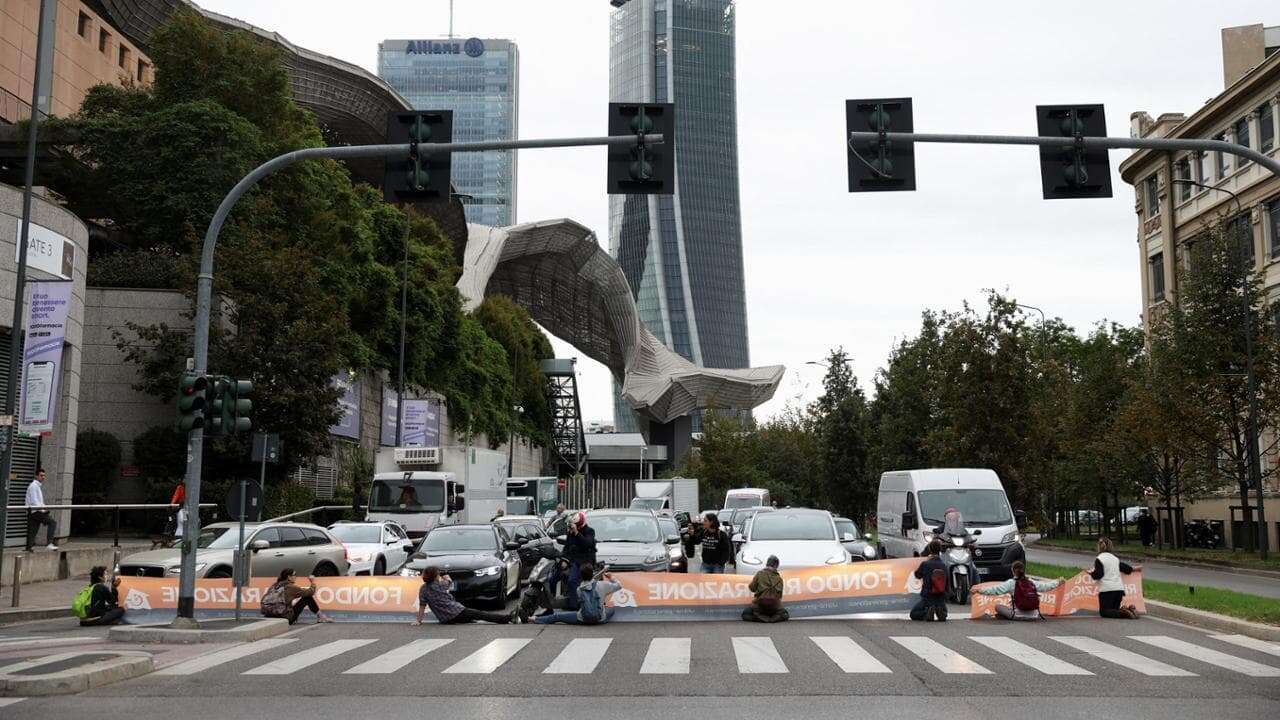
(1251,429)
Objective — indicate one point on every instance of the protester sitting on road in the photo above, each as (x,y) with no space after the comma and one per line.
(104,602)
(284,599)
(434,594)
(933,586)
(579,549)
(592,593)
(766,607)
(1025,600)
(717,549)
(1107,569)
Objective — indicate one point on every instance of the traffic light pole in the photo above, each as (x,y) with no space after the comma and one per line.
(1089,143)
(204,297)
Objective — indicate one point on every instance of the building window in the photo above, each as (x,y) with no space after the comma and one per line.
(1266,128)
(124,57)
(104,39)
(1155,265)
(1151,196)
(1239,229)
(1273,225)
(1224,160)
(1182,171)
(143,67)
(1204,167)
(82,25)
(1242,138)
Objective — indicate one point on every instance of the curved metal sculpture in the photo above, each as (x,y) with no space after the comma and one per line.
(557,271)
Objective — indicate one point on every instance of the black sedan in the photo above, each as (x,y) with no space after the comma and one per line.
(484,566)
(527,532)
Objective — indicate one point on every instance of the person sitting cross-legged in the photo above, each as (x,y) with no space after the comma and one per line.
(1025,592)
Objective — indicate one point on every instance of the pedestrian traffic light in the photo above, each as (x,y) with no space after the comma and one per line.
(642,168)
(880,163)
(1070,170)
(417,175)
(191,401)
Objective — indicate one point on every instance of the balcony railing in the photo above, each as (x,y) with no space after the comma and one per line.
(14,109)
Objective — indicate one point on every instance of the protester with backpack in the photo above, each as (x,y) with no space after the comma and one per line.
(284,599)
(592,593)
(933,586)
(1025,600)
(1107,569)
(766,587)
(98,604)
(434,595)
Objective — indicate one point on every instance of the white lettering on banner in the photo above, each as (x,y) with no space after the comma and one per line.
(706,590)
(363,595)
(849,581)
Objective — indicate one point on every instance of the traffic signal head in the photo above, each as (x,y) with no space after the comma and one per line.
(417,175)
(241,406)
(641,168)
(215,405)
(192,401)
(879,164)
(1068,170)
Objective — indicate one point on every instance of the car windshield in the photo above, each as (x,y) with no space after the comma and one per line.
(406,496)
(977,507)
(668,527)
(358,533)
(217,538)
(519,506)
(647,503)
(846,526)
(460,540)
(791,526)
(624,528)
(741,501)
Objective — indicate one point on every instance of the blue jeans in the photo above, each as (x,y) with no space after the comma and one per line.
(569,617)
(713,569)
(574,575)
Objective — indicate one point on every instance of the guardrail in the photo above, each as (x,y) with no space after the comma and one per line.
(114,508)
(318,508)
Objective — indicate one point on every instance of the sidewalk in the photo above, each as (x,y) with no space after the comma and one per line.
(43,595)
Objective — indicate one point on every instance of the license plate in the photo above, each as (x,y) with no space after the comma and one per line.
(983,571)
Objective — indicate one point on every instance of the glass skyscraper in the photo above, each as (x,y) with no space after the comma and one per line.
(479,80)
(682,254)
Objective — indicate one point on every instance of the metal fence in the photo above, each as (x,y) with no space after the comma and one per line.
(601,493)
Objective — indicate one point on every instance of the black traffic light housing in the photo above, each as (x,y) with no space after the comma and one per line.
(880,164)
(417,176)
(192,398)
(1069,170)
(227,405)
(640,168)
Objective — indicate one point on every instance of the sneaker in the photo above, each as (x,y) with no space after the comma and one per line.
(517,618)
(322,618)
(50,546)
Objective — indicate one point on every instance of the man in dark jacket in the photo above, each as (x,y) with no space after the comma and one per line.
(1146,527)
(933,604)
(717,549)
(579,548)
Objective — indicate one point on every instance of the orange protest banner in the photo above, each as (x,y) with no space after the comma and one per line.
(1076,594)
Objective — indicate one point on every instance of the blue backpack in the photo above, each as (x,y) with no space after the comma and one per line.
(590,609)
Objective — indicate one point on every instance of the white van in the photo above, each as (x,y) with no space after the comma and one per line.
(745,498)
(912,503)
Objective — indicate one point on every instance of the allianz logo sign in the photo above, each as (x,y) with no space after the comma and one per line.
(474,47)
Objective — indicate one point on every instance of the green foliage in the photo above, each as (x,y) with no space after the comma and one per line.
(525,346)
(161,456)
(478,385)
(840,421)
(133,268)
(283,498)
(97,464)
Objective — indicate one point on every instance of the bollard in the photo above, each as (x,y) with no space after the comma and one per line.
(116,513)
(17,577)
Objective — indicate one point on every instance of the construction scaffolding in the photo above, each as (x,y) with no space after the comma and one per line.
(567,439)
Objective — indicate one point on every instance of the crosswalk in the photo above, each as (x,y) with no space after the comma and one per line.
(1054,655)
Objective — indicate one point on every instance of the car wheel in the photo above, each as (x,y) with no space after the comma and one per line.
(880,553)
(219,573)
(380,567)
(325,570)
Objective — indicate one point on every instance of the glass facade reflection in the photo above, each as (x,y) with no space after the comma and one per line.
(682,254)
(479,80)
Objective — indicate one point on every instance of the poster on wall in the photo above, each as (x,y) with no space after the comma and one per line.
(348,424)
(389,404)
(421,423)
(46,323)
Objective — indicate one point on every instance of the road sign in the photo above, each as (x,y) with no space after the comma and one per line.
(252,501)
(268,443)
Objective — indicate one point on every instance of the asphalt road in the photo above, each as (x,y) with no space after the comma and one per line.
(1154,570)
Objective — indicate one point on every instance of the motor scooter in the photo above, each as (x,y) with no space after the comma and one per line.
(538,594)
(962,572)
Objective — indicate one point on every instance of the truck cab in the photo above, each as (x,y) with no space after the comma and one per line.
(418,500)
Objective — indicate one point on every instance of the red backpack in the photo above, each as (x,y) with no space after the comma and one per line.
(937,582)
(1025,596)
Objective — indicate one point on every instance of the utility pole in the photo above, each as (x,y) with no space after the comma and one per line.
(404,305)
(10,429)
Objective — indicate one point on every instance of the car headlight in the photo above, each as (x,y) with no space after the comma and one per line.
(750,559)
(958,555)
(674,553)
(409,572)
(654,558)
(1014,536)
(177,569)
(869,552)
(491,570)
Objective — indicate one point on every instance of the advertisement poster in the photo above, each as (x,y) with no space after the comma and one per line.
(421,423)
(348,424)
(387,436)
(1078,594)
(46,323)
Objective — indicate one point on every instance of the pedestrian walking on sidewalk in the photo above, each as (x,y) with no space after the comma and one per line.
(104,602)
(1025,600)
(766,586)
(717,549)
(36,518)
(592,593)
(284,599)
(1107,569)
(1146,527)
(434,594)
(933,585)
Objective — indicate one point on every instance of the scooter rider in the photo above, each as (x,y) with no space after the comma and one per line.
(579,548)
(956,542)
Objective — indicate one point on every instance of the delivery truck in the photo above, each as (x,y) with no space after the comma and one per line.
(422,488)
(531,495)
(667,497)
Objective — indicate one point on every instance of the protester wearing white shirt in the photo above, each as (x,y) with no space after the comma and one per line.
(36,518)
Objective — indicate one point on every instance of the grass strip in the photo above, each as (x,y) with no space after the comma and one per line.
(1210,557)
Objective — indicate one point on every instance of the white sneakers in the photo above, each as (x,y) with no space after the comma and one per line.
(50,546)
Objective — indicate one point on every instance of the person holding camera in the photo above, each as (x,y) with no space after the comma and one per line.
(434,594)
(595,589)
(104,602)
(579,549)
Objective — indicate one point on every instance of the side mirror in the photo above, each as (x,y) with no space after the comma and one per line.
(257,545)
(673,539)
(1020,518)
(847,537)
(737,537)
(459,504)
(459,488)
(909,521)
(407,547)
(511,545)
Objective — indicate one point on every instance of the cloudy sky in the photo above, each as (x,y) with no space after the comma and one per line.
(825,267)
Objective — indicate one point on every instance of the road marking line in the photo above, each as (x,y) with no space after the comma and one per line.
(579,657)
(10,701)
(488,658)
(941,657)
(1122,657)
(849,655)
(757,655)
(1027,655)
(307,658)
(1252,643)
(221,657)
(1205,655)
(393,660)
(667,656)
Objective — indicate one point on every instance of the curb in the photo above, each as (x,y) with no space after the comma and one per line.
(124,666)
(25,614)
(1233,569)
(1212,621)
(256,630)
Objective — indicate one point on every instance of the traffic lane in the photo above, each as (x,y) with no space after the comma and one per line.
(1155,570)
(407,705)
(714,662)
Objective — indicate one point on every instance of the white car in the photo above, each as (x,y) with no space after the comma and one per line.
(374,548)
(800,538)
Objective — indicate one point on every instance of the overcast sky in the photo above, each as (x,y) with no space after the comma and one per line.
(825,267)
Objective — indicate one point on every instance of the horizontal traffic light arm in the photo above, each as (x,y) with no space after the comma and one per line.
(1085,143)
